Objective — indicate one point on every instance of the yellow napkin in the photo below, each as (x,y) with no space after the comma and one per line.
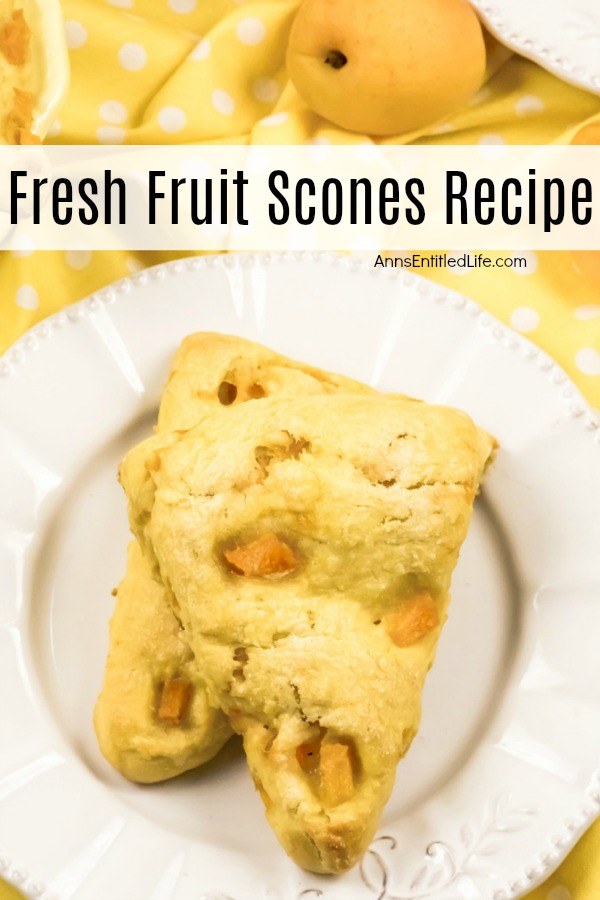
(213,70)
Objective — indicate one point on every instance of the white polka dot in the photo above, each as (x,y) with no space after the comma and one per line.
(201,50)
(183,6)
(531,262)
(133,57)
(27,297)
(587,361)
(21,254)
(587,312)
(172,119)
(491,140)
(274,120)
(266,90)
(443,128)
(113,111)
(492,146)
(134,265)
(55,128)
(250,30)
(482,96)
(529,105)
(222,102)
(524,319)
(75,33)
(78,259)
(110,134)
(559,892)
(122,4)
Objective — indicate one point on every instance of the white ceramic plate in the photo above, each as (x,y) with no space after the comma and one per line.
(502,778)
(563,36)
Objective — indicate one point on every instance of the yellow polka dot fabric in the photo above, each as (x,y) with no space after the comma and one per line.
(152,71)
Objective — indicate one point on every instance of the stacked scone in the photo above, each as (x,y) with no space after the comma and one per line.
(295,534)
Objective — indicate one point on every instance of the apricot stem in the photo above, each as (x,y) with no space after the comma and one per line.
(336,59)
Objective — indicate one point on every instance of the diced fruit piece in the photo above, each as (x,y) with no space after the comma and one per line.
(307,755)
(18,128)
(175,697)
(413,620)
(15,37)
(336,780)
(268,555)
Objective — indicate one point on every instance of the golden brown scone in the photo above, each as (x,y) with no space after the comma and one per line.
(207,371)
(307,545)
(153,719)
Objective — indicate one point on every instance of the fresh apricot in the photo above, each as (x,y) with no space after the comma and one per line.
(386,66)
(268,555)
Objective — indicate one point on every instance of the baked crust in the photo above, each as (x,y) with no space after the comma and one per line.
(372,494)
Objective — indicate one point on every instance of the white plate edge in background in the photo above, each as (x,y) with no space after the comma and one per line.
(565,48)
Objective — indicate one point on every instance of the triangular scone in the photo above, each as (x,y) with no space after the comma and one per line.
(152,717)
(307,546)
